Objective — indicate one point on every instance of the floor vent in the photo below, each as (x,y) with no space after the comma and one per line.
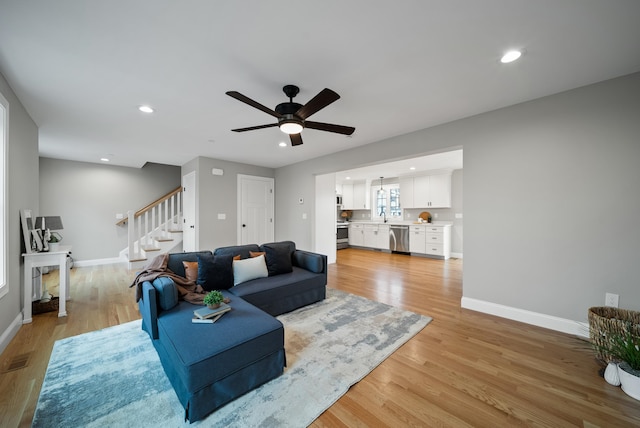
(18,362)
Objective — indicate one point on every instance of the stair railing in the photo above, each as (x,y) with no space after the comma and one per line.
(153,223)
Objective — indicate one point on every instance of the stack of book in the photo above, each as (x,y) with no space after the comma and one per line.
(209,316)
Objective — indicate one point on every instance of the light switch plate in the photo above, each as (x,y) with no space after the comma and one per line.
(222,216)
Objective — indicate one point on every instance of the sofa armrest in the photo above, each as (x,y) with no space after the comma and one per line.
(148,306)
(313,262)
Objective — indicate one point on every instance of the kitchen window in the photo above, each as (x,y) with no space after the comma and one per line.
(387,204)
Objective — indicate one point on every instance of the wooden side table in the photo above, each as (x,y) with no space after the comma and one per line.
(50,258)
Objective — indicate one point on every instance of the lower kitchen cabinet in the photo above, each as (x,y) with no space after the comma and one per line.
(432,240)
(356,235)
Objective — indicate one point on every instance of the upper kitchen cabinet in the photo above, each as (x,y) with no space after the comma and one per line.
(426,191)
(355,196)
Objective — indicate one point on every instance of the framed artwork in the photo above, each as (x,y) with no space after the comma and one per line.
(26,221)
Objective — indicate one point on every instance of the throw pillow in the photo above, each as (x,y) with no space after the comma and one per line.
(215,272)
(278,259)
(190,270)
(247,269)
(256,253)
(166,292)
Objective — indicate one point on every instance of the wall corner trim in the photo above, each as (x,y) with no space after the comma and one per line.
(551,322)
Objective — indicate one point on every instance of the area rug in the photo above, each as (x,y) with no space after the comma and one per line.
(113,377)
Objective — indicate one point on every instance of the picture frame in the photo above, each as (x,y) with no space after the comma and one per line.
(26,221)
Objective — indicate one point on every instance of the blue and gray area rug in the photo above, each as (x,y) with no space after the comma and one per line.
(113,377)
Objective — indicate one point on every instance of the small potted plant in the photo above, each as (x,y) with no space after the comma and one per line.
(213,299)
(624,347)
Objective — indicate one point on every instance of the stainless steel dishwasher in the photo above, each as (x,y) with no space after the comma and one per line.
(399,238)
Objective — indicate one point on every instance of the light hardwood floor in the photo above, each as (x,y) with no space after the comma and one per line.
(463,369)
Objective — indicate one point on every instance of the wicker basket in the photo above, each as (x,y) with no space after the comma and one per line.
(604,320)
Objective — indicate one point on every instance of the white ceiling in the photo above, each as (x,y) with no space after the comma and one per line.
(82,68)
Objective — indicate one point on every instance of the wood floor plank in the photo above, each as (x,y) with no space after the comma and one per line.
(464,369)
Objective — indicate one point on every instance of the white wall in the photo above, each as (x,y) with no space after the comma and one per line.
(551,201)
(22,179)
(217,194)
(88,195)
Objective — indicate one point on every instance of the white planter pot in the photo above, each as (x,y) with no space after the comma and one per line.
(630,383)
(611,374)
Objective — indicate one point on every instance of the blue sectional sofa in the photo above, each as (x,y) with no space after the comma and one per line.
(210,365)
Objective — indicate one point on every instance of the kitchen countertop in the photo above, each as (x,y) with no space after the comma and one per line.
(397,223)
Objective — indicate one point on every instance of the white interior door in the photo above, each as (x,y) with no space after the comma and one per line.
(255,210)
(189,212)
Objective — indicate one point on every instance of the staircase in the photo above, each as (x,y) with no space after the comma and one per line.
(154,229)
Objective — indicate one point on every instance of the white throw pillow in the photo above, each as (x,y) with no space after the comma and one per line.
(247,269)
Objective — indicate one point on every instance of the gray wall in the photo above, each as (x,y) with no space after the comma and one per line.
(22,180)
(217,194)
(550,195)
(88,195)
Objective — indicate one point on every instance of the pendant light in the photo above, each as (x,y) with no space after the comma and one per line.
(381,191)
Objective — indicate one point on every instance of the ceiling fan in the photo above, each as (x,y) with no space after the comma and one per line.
(292,117)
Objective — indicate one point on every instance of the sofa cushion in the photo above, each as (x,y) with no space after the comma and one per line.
(248,269)
(310,261)
(190,270)
(215,272)
(202,354)
(166,291)
(241,250)
(174,264)
(278,256)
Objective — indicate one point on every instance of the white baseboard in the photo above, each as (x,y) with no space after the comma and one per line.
(10,332)
(98,262)
(551,322)
(456,255)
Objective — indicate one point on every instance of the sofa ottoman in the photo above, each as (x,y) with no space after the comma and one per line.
(209,365)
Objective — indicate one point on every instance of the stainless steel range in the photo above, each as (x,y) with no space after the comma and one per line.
(342,236)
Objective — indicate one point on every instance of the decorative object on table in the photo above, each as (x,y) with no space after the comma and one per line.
(213,299)
(346,214)
(343,337)
(425,216)
(211,315)
(49,226)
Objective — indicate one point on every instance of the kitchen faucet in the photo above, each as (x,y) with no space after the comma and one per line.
(384,215)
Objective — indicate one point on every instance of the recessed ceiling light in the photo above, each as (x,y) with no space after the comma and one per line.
(104,159)
(348,178)
(282,144)
(510,56)
(145,109)
(412,168)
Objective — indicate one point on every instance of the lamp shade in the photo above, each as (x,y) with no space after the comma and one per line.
(49,222)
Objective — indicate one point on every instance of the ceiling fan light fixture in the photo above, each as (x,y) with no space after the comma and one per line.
(290,126)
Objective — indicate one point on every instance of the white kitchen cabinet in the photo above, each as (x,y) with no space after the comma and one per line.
(417,241)
(347,196)
(382,241)
(426,191)
(432,240)
(370,235)
(406,192)
(356,235)
(438,241)
(355,196)
(376,236)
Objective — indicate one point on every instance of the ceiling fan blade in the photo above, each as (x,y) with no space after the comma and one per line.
(317,103)
(296,139)
(338,129)
(253,128)
(238,96)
